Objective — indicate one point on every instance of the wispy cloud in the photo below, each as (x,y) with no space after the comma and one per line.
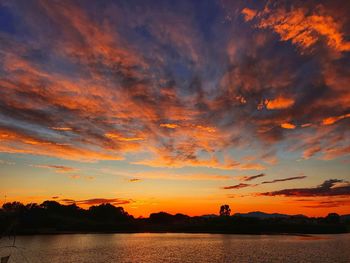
(161,175)
(252,177)
(58,168)
(285,179)
(237,186)
(78,176)
(4,162)
(249,178)
(134,180)
(98,201)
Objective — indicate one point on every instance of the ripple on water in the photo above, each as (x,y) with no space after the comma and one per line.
(108,248)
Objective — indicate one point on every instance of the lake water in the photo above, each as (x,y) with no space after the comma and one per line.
(108,248)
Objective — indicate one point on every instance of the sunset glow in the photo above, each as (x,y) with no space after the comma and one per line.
(176,106)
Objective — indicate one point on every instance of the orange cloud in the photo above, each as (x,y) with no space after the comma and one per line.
(206,128)
(61,128)
(332,120)
(311,151)
(305,125)
(248,13)
(287,125)
(166,160)
(169,125)
(279,103)
(16,142)
(120,138)
(334,152)
(303,27)
(58,168)
(117,101)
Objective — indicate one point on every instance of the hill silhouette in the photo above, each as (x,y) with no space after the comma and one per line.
(262,215)
(52,217)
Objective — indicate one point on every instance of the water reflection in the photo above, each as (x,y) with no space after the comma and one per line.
(146,248)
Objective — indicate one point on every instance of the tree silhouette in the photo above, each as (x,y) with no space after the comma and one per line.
(53,217)
(108,212)
(333,218)
(225,210)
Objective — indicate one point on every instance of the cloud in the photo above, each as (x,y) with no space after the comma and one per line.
(334,152)
(249,178)
(17,141)
(311,151)
(322,202)
(303,26)
(77,176)
(61,128)
(285,179)
(58,168)
(190,160)
(97,201)
(133,180)
(137,176)
(287,125)
(252,177)
(279,103)
(328,204)
(177,93)
(331,120)
(249,14)
(329,187)
(121,138)
(237,186)
(4,162)
(169,125)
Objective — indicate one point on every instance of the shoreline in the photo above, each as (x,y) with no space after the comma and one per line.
(176,232)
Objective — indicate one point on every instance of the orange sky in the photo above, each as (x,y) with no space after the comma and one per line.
(180,106)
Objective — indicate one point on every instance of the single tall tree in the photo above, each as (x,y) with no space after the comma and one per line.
(225,210)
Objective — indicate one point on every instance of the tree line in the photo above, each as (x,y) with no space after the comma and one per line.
(53,217)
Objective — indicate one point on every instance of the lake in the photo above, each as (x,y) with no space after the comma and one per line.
(108,248)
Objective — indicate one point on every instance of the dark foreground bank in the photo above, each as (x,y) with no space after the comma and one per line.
(51,217)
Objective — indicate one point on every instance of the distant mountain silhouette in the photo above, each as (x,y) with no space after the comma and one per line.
(262,215)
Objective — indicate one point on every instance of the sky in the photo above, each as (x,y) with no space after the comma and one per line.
(176,106)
